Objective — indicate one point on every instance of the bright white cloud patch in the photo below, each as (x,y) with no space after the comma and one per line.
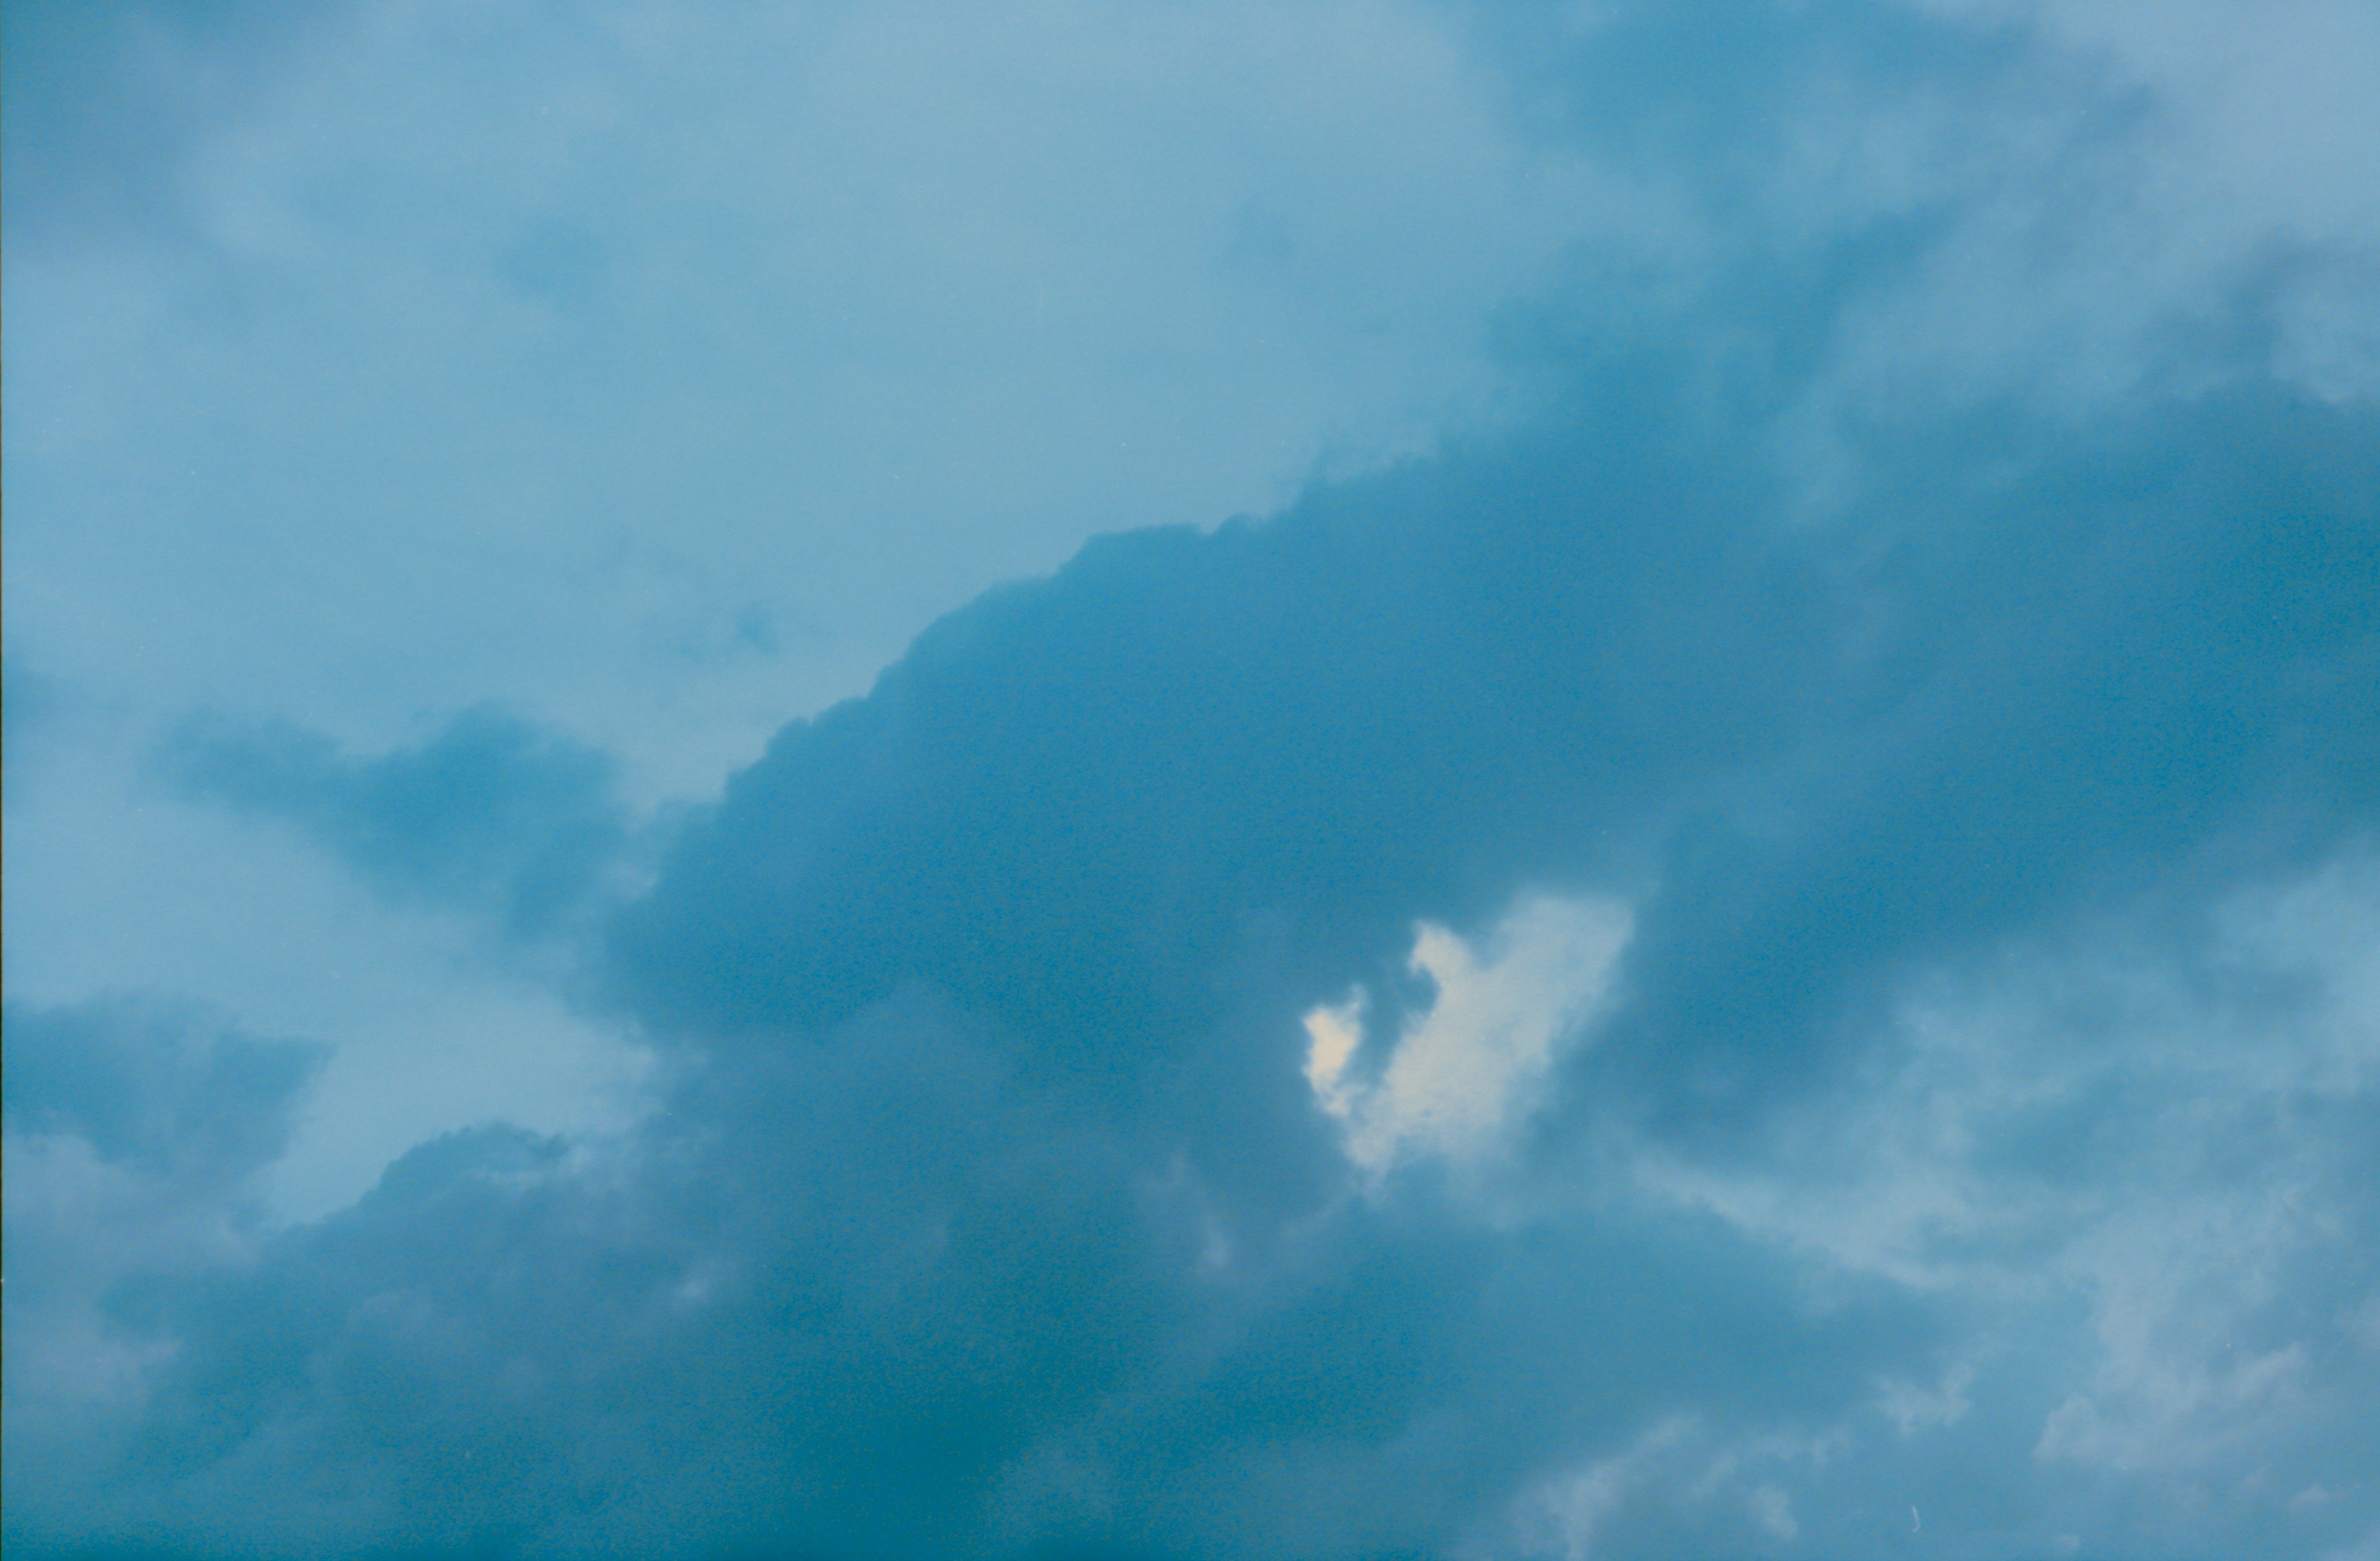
(1465,1071)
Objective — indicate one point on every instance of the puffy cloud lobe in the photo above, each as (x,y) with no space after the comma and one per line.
(152,1087)
(1994,695)
(491,814)
(1371,709)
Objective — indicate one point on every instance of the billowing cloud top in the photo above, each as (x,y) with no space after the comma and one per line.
(1773,951)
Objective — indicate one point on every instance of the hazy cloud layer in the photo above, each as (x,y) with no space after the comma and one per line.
(1776,957)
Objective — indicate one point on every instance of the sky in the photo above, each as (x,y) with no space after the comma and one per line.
(1371,780)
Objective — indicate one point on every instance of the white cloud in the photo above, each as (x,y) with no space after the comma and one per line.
(1563,1514)
(1774,1511)
(1912,1407)
(1464,1073)
(1677,1474)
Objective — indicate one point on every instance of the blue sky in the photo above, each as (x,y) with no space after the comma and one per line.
(1342,781)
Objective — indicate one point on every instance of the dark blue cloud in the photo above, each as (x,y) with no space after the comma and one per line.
(153,1086)
(876,1297)
(2020,677)
(491,813)
(1383,701)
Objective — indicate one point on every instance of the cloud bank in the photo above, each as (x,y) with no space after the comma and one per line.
(1776,959)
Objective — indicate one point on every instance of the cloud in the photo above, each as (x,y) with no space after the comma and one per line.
(661,370)
(1673,1479)
(1877,209)
(129,1078)
(1835,751)
(1458,1080)
(2150,1122)
(33,703)
(135,1132)
(876,1295)
(105,101)
(1868,842)
(993,1208)
(490,812)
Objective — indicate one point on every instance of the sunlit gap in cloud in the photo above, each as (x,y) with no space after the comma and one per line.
(1466,1070)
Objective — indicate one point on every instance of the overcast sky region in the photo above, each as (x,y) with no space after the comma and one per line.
(1084,781)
